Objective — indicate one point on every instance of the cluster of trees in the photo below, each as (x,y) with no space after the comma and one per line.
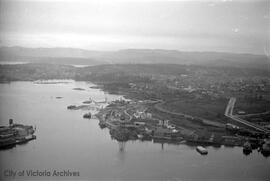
(114,72)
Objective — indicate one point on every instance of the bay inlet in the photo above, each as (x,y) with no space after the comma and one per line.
(66,141)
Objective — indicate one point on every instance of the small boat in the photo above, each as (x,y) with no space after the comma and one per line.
(78,88)
(87,115)
(87,102)
(140,136)
(71,107)
(266,148)
(102,124)
(247,147)
(201,150)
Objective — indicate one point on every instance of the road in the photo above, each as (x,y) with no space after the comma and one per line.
(130,117)
(230,107)
(255,114)
(229,114)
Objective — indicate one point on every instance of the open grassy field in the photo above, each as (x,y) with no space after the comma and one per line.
(250,107)
(212,110)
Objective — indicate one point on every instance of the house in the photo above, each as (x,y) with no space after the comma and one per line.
(138,123)
(148,115)
(142,115)
(164,123)
(162,132)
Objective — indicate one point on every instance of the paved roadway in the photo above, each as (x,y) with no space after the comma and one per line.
(229,114)
(130,117)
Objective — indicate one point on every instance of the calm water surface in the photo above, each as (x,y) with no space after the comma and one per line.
(66,141)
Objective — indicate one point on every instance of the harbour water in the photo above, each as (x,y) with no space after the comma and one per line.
(67,142)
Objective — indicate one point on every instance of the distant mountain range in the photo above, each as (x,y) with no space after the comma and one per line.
(72,56)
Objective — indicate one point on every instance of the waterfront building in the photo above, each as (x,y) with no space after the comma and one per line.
(164,123)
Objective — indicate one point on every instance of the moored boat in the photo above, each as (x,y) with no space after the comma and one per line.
(71,107)
(247,149)
(87,115)
(140,136)
(266,148)
(201,150)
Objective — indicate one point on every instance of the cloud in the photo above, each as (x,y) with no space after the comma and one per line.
(121,24)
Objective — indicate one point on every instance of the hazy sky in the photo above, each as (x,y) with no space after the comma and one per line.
(200,25)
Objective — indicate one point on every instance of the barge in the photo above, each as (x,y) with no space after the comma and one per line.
(201,150)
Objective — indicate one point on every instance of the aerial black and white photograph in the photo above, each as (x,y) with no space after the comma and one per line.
(134,90)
